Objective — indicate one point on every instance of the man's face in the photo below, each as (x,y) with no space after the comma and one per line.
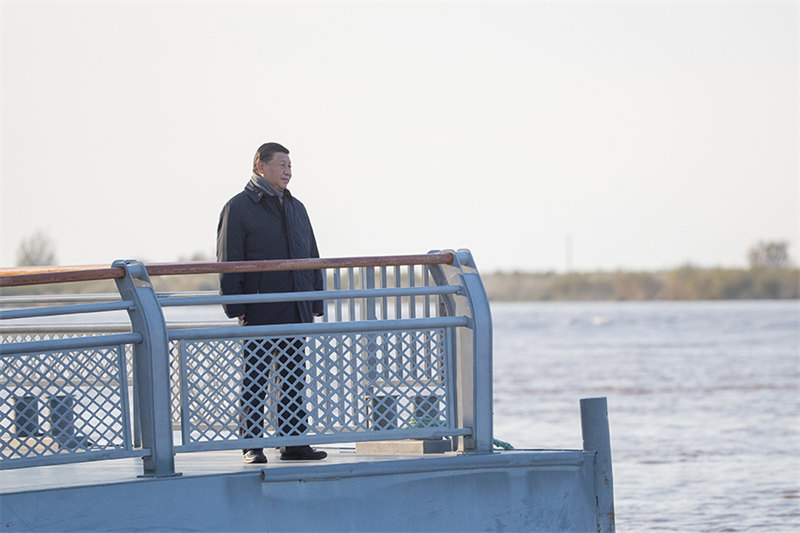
(278,171)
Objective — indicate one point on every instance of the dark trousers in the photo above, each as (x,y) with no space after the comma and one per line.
(283,360)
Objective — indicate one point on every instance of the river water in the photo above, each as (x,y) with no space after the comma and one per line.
(703,399)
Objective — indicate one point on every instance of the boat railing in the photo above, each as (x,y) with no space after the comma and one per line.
(404,350)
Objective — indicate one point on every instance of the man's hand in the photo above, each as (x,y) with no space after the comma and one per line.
(240,318)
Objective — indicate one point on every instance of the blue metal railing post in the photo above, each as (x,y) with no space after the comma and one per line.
(597,438)
(150,369)
(474,354)
(483,420)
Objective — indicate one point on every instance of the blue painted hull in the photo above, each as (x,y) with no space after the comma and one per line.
(505,491)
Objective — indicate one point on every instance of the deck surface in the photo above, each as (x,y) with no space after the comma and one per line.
(188,464)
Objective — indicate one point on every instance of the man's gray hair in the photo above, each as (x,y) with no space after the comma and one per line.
(266,152)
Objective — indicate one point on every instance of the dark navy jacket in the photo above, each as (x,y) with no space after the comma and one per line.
(255,226)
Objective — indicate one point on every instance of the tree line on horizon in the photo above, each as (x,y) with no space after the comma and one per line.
(684,283)
(770,276)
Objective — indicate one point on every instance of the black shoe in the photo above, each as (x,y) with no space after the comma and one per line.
(254,457)
(302,453)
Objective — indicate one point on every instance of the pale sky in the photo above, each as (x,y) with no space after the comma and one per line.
(647,134)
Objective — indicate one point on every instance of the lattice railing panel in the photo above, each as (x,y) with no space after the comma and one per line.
(322,384)
(62,403)
(174,360)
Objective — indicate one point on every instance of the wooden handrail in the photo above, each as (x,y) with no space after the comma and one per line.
(60,276)
(20,270)
(20,276)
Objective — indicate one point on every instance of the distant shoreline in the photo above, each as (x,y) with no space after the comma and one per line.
(684,283)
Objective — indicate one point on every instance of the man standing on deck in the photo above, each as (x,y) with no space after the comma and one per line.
(266,222)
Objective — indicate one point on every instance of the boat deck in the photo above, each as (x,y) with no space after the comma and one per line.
(212,463)
(348,491)
(188,464)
